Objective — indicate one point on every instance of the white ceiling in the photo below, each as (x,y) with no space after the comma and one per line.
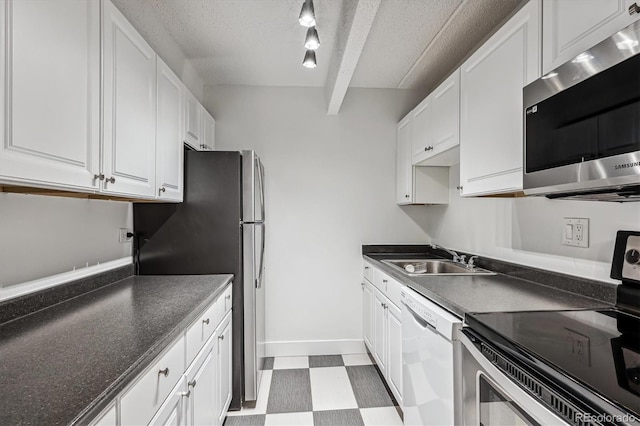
(411,44)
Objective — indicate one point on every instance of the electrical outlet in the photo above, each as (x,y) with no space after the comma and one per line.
(575,232)
(122,236)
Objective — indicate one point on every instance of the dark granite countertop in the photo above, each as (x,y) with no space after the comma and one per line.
(64,364)
(514,289)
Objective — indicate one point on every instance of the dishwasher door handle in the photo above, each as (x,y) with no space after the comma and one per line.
(421,322)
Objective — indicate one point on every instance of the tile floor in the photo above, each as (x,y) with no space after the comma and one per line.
(322,390)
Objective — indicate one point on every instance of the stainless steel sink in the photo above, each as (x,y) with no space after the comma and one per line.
(435,267)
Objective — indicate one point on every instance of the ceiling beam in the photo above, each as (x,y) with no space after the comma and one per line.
(358,18)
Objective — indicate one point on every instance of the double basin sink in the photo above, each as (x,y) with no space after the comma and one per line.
(426,267)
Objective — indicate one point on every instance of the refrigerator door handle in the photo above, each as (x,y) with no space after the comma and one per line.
(259,280)
(261,181)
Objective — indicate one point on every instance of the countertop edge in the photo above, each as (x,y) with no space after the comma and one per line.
(101,402)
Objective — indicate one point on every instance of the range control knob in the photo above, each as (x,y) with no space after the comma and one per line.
(632,256)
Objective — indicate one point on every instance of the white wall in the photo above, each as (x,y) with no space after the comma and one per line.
(528,230)
(330,183)
(42,235)
(145,19)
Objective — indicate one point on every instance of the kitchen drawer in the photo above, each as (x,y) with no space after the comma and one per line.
(387,286)
(368,272)
(201,330)
(144,398)
(228,300)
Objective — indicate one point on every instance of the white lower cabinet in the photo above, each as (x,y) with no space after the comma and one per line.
(179,391)
(383,327)
(223,369)
(201,384)
(172,412)
(394,355)
(143,400)
(367,305)
(380,331)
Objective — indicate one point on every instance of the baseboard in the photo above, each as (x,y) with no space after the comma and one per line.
(315,347)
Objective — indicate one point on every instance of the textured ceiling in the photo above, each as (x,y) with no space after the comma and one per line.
(413,44)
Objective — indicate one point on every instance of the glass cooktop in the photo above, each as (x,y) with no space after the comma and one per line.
(600,349)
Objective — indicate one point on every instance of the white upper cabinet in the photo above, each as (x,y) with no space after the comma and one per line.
(129,91)
(208,131)
(169,132)
(50,52)
(572,26)
(491,112)
(421,144)
(404,183)
(193,121)
(417,184)
(436,126)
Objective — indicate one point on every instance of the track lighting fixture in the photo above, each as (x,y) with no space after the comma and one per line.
(309,59)
(312,41)
(307,14)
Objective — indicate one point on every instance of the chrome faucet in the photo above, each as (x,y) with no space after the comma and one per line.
(456,257)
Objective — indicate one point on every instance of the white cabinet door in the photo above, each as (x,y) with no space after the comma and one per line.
(444,132)
(394,363)
(208,131)
(173,410)
(404,172)
(224,370)
(421,143)
(367,321)
(193,118)
(129,92)
(572,26)
(380,331)
(436,125)
(201,388)
(52,99)
(491,114)
(169,132)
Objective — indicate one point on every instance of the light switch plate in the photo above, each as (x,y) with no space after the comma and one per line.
(575,232)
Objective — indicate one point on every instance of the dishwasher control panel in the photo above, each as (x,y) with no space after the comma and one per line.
(424,313)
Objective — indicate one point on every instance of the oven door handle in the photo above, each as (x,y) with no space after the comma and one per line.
(421,322)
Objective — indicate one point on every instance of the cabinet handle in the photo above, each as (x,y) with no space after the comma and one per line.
(228,296)
(459,187)
(385,281)
(366,267)
(192,384)
(202,145)
(406,196)
(98,177)
(634,8)
(221,337)
(205,321)
(110,180)
(187,393)
(162,189)
(165,372)
(428,148)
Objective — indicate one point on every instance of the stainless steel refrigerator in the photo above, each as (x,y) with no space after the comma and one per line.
(219,228)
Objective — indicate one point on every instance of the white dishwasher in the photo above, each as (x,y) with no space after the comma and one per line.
(427,361)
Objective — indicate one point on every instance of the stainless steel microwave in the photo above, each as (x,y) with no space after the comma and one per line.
(582,124)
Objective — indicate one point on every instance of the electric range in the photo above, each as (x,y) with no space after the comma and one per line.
(583,367)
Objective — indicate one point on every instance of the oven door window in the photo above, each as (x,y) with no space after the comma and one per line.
(497,409)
